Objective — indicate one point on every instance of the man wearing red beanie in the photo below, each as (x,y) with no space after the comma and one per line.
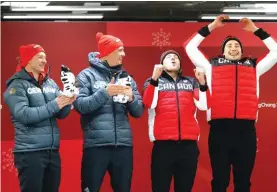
(234,84)
(107,132)
(34,103)
(171,99)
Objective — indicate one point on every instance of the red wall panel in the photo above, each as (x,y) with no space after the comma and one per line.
(69,43)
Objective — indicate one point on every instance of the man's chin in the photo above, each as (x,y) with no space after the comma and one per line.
(172,70)
(41,70)
(119,63)
(233,58)
(115,65)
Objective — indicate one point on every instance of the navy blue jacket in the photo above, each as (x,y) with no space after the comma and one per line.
(103,121)
(34,112)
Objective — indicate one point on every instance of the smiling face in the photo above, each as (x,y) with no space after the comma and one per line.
(232,50)
(37,63)
(171,63)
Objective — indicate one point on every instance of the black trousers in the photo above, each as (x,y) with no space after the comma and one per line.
(174,159)
(232,143)
(118,161)
(38,171)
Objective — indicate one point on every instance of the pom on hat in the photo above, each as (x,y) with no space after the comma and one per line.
(98,36)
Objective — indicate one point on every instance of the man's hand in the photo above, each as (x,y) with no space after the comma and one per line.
(129,92)
(63,101)
(248,25)
(113,89)
(200,75)
(218,22)
(158,69)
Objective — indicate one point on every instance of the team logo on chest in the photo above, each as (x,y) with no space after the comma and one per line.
(35,90)
(241,62)
(183,85)
(99,84)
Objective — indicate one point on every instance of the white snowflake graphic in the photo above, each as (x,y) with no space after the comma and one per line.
(161,39)
(8,161)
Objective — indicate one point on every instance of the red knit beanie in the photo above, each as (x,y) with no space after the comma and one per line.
(27,52)
(107,44)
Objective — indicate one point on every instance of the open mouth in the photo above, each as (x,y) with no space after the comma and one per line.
(233,54)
